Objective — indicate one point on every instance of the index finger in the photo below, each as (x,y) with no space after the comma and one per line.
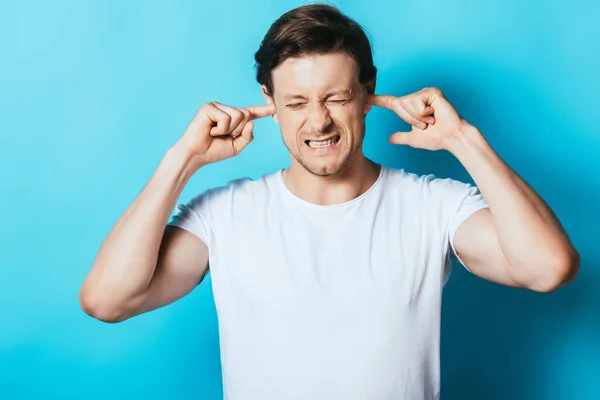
(261,111)
(381,100)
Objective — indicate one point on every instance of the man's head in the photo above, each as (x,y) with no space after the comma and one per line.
(315,64)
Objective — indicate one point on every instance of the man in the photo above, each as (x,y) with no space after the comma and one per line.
(328,275)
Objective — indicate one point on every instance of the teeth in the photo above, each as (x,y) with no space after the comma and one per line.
(322,143)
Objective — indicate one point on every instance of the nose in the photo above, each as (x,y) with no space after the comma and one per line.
(319,118)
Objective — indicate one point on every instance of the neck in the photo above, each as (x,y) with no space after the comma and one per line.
(338,188)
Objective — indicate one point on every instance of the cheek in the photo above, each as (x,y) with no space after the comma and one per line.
(290,122)
(290,129)
(350,116)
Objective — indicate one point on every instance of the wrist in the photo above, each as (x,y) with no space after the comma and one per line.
(466,139)
(184,163)
(181,152)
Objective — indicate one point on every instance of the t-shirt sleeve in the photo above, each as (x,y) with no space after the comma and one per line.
(193,216)
(209,215)
(464,200)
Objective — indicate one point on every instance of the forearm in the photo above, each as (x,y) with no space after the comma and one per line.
(126,260)
(531,237)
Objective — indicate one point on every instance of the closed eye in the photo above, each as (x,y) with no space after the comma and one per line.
(295,105)
(298,105)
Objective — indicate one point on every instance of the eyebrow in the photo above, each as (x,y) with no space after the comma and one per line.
(343,92)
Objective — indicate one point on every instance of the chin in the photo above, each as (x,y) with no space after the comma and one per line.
(324,169)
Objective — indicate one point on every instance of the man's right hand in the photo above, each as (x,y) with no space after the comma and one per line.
(218,131)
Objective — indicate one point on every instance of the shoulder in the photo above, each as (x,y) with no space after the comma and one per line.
(238,190)
(424,183)
(429,189)
(248,185)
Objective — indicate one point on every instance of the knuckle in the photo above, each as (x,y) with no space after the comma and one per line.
(435,90)
(209,107)
(404,101)
(399,102)
(238,115)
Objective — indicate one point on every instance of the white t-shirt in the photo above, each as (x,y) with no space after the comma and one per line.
(330,302)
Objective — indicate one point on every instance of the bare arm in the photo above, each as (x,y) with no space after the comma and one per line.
(144,264)
(518,241)
(130,275)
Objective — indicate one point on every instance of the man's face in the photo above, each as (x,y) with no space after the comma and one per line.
(321,111)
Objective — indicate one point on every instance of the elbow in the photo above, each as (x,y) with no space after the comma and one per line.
(559,273)
(99,310)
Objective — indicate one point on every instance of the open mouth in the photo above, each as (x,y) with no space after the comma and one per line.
(320,144)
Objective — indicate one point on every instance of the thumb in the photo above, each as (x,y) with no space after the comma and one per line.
(244,138)
(402,138)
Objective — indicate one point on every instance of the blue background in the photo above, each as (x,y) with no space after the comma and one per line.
(92,93)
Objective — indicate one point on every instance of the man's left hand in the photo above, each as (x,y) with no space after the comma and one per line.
(435,122)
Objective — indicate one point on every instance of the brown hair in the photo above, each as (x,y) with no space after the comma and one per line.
(314,29)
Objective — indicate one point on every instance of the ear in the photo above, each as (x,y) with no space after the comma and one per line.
(270,101)
(369,89)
